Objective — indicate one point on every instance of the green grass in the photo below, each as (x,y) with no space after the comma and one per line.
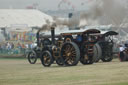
(17,71)
(121,83)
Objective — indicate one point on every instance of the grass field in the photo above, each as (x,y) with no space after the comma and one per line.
(20,72)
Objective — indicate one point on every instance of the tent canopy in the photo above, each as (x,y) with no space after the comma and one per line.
(23,17)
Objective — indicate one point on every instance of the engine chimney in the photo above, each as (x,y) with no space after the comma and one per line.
(53,35)
(38,41)
(70,15)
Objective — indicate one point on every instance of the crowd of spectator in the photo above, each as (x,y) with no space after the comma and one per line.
(14,48)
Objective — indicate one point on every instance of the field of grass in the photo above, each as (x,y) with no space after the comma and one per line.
(20,72)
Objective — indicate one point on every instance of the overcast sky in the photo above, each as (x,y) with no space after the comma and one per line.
(42,4)
(48,4)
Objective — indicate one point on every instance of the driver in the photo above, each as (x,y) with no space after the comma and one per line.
(79,38)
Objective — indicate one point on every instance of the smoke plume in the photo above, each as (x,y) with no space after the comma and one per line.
(101,12)
(106,12)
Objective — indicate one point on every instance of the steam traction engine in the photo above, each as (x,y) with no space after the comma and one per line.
(85,40)
(63,53)
(53,48)
(66,48)
(105,46)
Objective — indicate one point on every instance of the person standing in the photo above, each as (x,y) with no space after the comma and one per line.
(121,55)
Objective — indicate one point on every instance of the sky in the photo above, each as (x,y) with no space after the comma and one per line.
(42,4)
(47,4)
(114,9)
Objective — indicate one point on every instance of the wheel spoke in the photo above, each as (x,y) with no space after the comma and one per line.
(32,58)
(70,53)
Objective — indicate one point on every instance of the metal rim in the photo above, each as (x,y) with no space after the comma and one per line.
(60,61)
(70,54)
(32,57)
(85,57)
(46,58)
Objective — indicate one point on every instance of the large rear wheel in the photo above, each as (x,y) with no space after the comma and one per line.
(107,55)
(107,58)
(97,52)
(70,53)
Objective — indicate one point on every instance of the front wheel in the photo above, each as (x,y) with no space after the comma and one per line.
(46,59)
(107,58)
(85,59)
(60,61)
(32,57)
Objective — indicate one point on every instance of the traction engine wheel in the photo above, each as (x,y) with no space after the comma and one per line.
(32,57)
(107,58)
(46,58)
(70,54)
(60,61)
(97,52)
(86,58)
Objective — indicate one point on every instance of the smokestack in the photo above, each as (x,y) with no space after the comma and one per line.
(70,15)
(53,35)
(37,36)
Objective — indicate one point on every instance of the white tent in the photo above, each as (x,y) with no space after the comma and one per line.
(23,17)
